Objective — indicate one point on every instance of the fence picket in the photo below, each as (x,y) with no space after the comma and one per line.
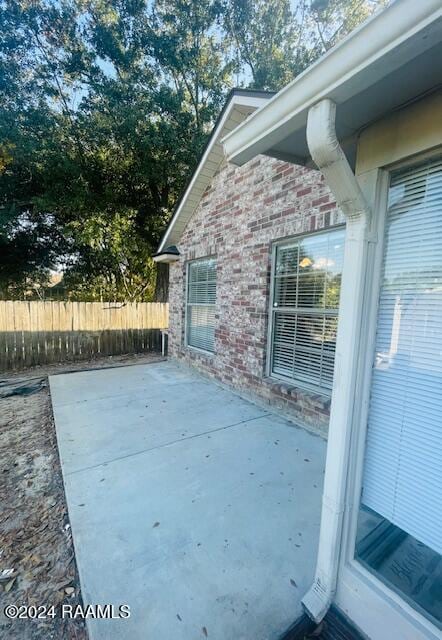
(40,332)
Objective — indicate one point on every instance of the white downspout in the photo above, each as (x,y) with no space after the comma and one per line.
(331,160)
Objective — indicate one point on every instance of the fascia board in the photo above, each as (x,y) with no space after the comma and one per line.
(251,102)
(357,62)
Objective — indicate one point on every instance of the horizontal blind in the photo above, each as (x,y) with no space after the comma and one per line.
(304,347)
(201,298)
(403,465)
(306,289)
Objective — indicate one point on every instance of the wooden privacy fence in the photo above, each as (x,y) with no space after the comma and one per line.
(43,332)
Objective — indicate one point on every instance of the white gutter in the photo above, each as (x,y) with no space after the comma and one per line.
(365,56)
(330,159)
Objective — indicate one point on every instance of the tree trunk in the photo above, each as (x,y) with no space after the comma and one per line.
(162,283)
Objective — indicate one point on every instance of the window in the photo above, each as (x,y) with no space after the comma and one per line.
(201,297)
(400,521)
(306,288)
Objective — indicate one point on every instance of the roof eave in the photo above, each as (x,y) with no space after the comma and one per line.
(241,97)
(356,63)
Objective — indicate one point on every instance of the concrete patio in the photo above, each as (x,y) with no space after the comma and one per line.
(198,509)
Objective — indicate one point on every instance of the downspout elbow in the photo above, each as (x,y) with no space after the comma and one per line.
(331,160)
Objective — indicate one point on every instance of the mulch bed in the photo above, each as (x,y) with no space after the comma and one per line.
(37,561)
(35,536)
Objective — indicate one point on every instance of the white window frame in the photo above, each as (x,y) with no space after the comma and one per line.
(296,310)
(356,584)
(186,310)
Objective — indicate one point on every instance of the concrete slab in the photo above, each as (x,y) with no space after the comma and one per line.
(196,508)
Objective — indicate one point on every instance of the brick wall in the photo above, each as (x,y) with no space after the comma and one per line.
(240,215)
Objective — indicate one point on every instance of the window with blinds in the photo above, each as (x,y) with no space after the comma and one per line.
(402,474)
(201,298)
(305,301)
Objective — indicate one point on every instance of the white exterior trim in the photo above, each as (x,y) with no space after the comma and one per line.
(357,62)
(167,258)
(238,109)
(329,157)
(371,604)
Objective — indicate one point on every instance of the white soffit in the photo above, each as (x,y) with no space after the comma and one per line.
(240,105)
(393,57)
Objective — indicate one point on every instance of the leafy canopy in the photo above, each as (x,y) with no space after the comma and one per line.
(105,106)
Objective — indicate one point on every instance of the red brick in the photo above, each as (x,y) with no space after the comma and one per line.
(327,207)
(319,201)
(239,224)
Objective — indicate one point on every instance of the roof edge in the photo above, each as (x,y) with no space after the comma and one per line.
(234,97)
(359,52)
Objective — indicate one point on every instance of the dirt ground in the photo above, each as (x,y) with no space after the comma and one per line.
(37,561)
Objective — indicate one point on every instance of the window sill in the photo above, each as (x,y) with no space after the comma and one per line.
(297,391)
(202,352)
(299,386)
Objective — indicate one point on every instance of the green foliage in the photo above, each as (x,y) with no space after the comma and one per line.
(105,106)
(100,132)
(333,19)
(269,40)
(276,40)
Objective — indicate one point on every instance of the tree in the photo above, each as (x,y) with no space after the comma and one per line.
(334,19)
(192,53)
(269,38)
(276,40)
(105,106)
(114,104)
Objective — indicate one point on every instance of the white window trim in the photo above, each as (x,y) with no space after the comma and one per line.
(292,382)
(355,582)
(186,306)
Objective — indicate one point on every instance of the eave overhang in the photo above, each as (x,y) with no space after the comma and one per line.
(240,104)
(391,59)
